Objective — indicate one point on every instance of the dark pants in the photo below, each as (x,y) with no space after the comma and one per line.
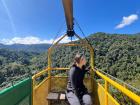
(73,99)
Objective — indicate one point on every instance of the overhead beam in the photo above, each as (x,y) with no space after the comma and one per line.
(68,9)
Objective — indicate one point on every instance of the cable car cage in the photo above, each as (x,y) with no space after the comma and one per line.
(33,92)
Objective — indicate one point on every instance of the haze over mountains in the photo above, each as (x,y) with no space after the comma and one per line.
(40,47)
(27,48)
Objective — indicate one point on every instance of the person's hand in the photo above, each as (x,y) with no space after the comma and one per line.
(88,71)
(88,68)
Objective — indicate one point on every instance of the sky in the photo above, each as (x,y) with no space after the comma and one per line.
(38,21)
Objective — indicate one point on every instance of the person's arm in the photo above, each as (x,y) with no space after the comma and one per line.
(86,69)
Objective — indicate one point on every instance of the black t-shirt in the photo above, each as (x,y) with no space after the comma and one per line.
(75,80)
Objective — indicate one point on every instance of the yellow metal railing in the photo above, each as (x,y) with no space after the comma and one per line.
(107,97)
(37,87)
(121,88)
(107,80)
(43,72)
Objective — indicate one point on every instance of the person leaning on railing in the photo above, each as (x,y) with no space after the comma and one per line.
(77,93)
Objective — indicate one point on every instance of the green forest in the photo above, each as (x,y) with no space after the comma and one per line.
(116,54)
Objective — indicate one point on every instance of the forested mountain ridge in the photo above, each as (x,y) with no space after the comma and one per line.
(116,54)
(26,48)
(14,64)
(119,55)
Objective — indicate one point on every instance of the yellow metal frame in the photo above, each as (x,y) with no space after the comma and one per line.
(86,45)
(107,80)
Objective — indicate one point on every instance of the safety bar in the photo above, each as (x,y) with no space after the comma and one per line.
(124,90)
(43,72)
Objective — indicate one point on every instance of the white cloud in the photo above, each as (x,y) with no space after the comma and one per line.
(127,21)
(31,40)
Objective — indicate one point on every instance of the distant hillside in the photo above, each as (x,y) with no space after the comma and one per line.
(14,64)
(27,48)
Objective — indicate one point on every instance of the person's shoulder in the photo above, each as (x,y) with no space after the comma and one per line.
(73,67)
(72,70)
